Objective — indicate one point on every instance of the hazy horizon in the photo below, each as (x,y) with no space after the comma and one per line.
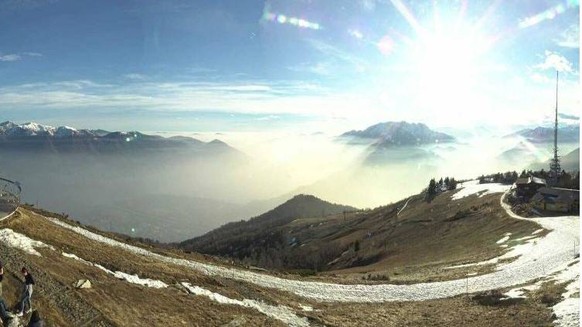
(137,195)
(279,81)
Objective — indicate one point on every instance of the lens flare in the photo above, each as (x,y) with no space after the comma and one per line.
(385,45)
(287,20)
(548,14)
(408,16)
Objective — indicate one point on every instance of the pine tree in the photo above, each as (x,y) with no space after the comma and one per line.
(431,187)
(452,184)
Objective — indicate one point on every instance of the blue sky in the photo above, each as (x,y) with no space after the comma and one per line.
(259,65)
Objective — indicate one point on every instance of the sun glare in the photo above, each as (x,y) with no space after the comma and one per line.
(448,63)
(447,56)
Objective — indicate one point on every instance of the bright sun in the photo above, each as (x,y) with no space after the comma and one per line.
(448,65)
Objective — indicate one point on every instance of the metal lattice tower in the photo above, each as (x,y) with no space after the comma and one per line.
(555,169)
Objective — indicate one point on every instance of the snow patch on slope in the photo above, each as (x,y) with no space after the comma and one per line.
(473,187)
(568,313)
(568,310)
(22,242)
(514,252)
(282,313)
(504,239)
(133,279)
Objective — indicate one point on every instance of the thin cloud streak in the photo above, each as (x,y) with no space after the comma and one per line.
(10,57)
(570,38)
(243,97)
(18,56)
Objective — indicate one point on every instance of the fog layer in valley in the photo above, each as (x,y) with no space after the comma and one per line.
(175,197)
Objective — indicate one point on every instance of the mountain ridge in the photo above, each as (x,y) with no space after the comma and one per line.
(400,134)
(300,206)
(540,134)
(34,136)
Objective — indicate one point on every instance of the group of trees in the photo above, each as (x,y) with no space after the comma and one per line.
(566,179)
(508,177)
(442,185)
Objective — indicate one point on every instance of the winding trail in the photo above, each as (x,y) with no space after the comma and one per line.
(404,207)
(537,259)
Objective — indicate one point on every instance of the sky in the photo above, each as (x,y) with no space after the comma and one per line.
(231,65)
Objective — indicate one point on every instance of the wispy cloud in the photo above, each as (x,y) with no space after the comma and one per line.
(33,54)
(555,61)
(18,56)
(570,37)
(334,52)
(10,57)
(540,78)
(249,97)
(135,77)
(322,68)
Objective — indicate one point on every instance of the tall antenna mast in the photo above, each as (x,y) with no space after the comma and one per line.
(555,162)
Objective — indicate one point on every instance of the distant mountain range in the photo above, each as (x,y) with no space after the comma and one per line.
(397,142)
(520,154)
(390,134)
(65,139)
(240,239)
(162,188)
(568,162)
(566,134)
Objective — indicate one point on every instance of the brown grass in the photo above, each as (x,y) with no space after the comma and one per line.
(122,303)
(414,246)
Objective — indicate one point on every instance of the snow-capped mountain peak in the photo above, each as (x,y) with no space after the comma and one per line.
(6,125)
(10,129)
(32,128)
(66,131)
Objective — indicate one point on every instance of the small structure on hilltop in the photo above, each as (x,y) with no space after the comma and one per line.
(528,186)
(557,199)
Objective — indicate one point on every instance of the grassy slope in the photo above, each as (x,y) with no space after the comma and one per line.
(425,237)
(119,302)
(122,304)
(408,247)
(239,239)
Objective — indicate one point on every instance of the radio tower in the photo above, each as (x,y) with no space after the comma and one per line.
(555,170)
